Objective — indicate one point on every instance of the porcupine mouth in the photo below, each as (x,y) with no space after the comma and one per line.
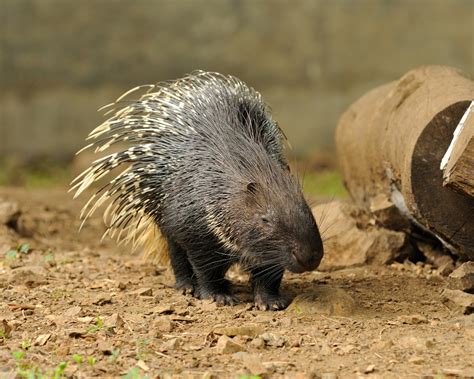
(297,265)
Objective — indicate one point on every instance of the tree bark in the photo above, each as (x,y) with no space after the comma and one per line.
(458,172)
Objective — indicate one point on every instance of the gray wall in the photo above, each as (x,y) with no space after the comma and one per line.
(60,60)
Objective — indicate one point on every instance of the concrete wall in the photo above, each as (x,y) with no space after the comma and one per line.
(60,60)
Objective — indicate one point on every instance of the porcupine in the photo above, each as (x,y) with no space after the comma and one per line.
(206,171)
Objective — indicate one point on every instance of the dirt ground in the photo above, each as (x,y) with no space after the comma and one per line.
(71,305)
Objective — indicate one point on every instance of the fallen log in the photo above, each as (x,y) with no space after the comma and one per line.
(390,144)
(458,162)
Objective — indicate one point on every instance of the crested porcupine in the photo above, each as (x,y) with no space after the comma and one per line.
(205,171)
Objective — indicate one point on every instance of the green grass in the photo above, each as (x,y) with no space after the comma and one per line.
(42,174)
(324,184)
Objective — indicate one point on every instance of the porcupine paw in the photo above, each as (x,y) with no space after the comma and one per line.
(186,287)
(220,296)
(271,302)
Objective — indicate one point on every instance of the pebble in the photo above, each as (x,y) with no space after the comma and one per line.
(250,330)
(273,340)
(412,319)
(163,324)
(258,343)
(172,344)
(142,292)
(459,300)
(225,345)
(462,278)
(417,360)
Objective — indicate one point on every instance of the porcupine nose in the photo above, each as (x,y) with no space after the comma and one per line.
(307,261)
(308,257)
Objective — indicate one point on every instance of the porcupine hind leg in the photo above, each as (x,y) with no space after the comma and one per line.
(266,282)
(210,277)
(183,271)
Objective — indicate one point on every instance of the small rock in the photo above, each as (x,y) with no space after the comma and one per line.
(122,285)
(102,299)
(172,344)
(328,375)
(380,345)
(412,319)
(246,330)
(73,311)
(86,319)
(354,242)
(114,321)
(163,324)
(257,343)
(9,211)
(142,292)
(143,365)
(105,347)
(163,309)
(42,339)
(304,375)
(436,257)
(369,369)
(6,329)
(225,345)
(326,300)
(76,333)
(347,349)
(416,360)
(273,340)
(459,300)
(462,278)
(252,363)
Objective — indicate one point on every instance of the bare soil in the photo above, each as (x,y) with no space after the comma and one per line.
(105,312)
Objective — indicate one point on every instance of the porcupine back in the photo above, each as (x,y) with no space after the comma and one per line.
(202,111)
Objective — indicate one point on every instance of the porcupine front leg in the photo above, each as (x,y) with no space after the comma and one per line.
(210,277)
(183,271)
(266,282)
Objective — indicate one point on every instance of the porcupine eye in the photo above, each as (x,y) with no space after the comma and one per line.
(265,220)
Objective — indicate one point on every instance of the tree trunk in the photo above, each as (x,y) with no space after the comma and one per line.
(390,144)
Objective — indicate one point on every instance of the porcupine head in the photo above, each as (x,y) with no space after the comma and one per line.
(206,181)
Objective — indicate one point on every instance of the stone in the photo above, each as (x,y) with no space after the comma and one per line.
(225,345)
(412,319)
(251,330)
(459,300)
(353,241)
(114,321)
(163,324)
(142,292)
(257,343)
(462,278)
(102,299)
(163,309)
(274,340)
(105,347)
(9,211)
(252,363)
(416,360)
(73,311)
(324,299)
(42,339)
(171,344)
(443,262)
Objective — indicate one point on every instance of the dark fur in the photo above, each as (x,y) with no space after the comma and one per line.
(219,189)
